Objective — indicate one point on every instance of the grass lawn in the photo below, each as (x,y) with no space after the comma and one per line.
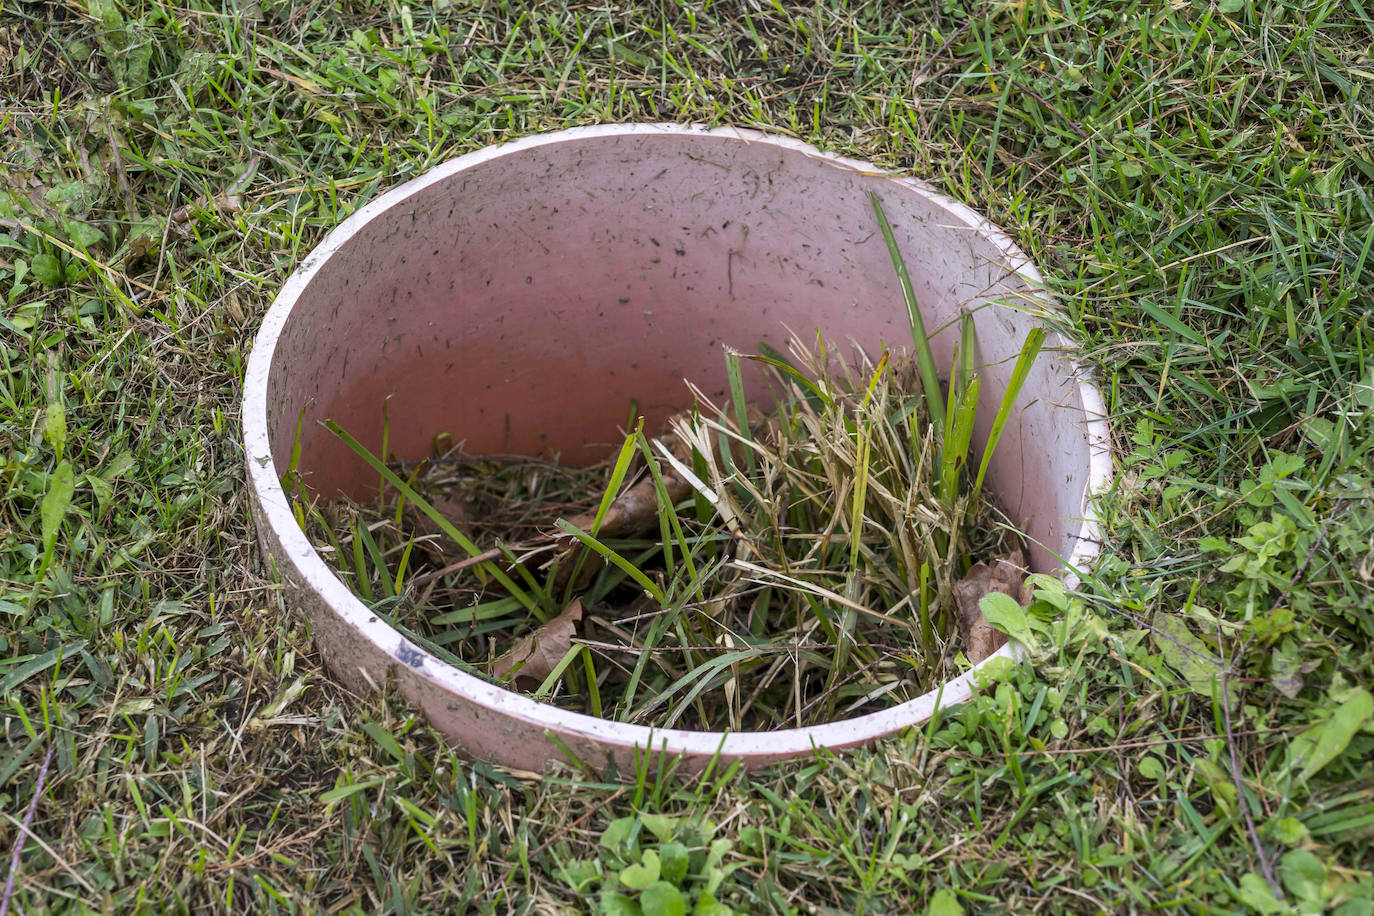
(1194,733)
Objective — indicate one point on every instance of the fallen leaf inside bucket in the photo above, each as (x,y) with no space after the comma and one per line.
(634,511)
(535,656)
(1002,574)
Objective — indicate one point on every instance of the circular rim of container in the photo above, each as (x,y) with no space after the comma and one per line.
(264,479)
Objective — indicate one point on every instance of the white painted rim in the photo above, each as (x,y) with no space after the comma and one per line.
(265,480)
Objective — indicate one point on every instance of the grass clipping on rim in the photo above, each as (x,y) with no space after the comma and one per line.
(741,571)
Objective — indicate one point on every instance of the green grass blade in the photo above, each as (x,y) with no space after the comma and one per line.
(618,473)
(657,627)
(363,579)
(313,512)
(557,673)
(434,515)
(861,462)
(487,610)
(401,500)
(857,516)
(957,445)
(925,359)
(927,629)
(669,525)
(699,677)
(593,688)
(612,557)
(732,372)
(814,393)
(622,467)
(541,590)
(53,509)
(432,647)
(1029,350)
(378,561)
(964,357)
(656,630)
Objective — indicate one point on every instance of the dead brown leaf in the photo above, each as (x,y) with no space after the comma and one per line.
(1006,574)
(224,204)
(634,511)
(534,657)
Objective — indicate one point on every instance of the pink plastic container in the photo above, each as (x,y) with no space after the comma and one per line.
(519,297)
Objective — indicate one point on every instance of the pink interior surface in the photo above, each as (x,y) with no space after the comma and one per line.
(521,304)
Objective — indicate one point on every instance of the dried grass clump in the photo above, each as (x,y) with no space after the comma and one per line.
(783,569)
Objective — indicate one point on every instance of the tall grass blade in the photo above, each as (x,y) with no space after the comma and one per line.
(925,359)
(700,678)
(964,359)
(1029,350)
(927,627)
(488,610)
(378,561)
(861,462)
(618,472)
(622,466)
(657,628)
(857,519)
(732,371)
(669,525)
(313,512)
(957,444)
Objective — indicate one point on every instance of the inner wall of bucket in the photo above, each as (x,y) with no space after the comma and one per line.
(521,305)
